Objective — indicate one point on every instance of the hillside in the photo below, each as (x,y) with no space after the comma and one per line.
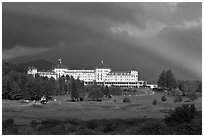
(39,64)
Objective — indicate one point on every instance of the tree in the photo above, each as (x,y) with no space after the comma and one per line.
(48,87)
(15,90)
(162,80)
(199,83)
(107,92)
(178,99)
(67,77)
(167,80)
(192,96)
(54,85)
(95,93)
(81,90)
(163,99)
(6,87)
(170,80)
(154,102)
(68,86)
(180,84)
(61,82)
(189,86)
(74,91)
(126,100)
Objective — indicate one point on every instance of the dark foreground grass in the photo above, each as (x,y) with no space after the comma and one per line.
(131,126)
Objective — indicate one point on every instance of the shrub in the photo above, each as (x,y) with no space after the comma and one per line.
(7,123)
(192,96)
(8,127)
(178,99)
(108,127)
(154,102)
(163,99)
(126,100)
(92,124)
(33,124)
(95,93)
(85,131)
(149,128)
(181,114)
(187,129)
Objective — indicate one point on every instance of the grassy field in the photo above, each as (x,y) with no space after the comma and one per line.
(139,106)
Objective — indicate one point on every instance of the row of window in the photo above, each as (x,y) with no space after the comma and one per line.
(115,83)
(125,86)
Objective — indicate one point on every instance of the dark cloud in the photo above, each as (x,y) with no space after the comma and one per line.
(83,32)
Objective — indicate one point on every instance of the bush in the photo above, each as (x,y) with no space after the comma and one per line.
(178,99)
(163,99)
(33,124)
(158,89)
(95,93)
(187,129)
(8,127)
(192,96)
(92,124)
(154,102)
(126,100)
(7,123)
(149,128)
(181,114)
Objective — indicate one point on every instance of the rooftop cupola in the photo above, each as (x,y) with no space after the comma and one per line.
(60,61)
(102,66)
(60,65)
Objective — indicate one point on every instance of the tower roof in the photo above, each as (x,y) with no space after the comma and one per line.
(102,65)
(60,65)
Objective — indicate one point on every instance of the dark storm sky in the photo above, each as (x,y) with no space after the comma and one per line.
(147,36)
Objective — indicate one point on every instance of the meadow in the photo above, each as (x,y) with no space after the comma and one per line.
(140,106)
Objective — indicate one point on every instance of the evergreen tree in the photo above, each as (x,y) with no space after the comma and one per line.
(107,93)
(95,93)
(167,80)
(162,80)
(67,77)
(61,82)
(74,91)
(163,99)
(170,80)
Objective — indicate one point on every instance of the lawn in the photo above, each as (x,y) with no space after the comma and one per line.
(139,106)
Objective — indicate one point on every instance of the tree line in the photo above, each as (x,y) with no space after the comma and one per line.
(16,84)
(168,82)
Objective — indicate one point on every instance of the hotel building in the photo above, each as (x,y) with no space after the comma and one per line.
(101,75)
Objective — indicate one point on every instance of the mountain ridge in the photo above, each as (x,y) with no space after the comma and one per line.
(40,64)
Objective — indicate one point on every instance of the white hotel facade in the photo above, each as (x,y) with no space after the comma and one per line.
(101,74)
